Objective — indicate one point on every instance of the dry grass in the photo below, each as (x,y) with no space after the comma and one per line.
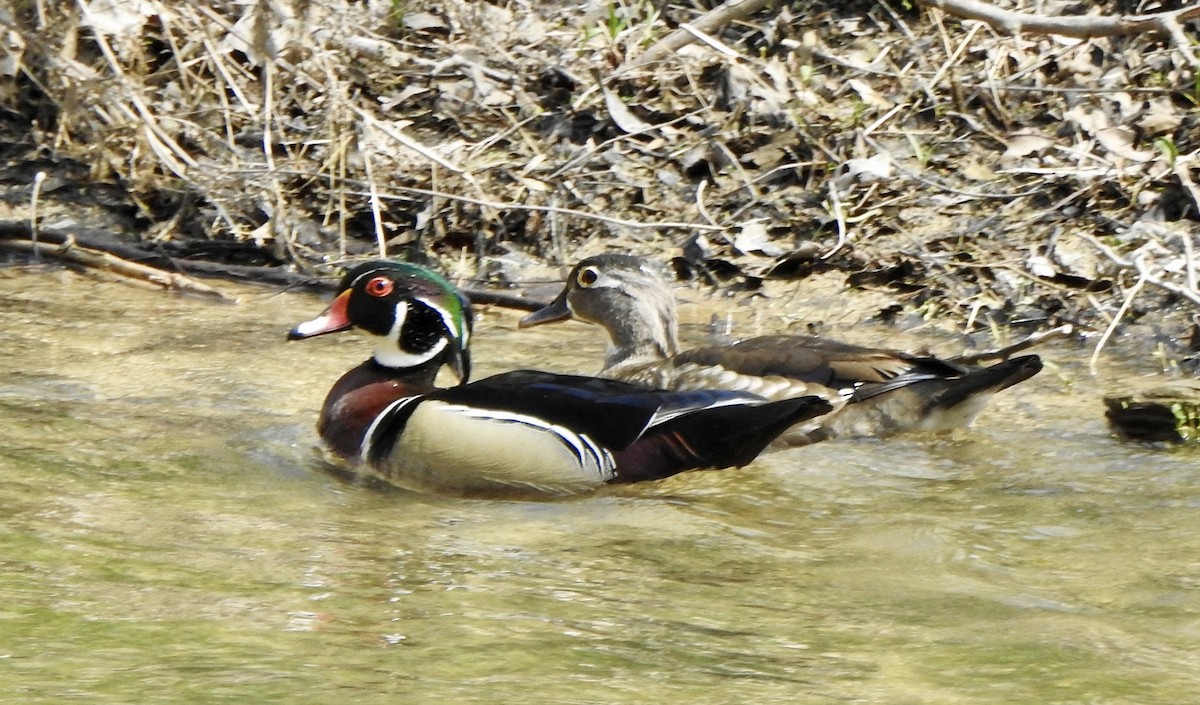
(1007,179)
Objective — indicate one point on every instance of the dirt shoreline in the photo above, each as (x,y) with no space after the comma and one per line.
(900,165)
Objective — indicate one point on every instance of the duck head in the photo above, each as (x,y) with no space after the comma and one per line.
(415,315)
(623,294)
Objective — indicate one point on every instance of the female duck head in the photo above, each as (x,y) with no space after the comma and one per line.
(627,297)
(417,316)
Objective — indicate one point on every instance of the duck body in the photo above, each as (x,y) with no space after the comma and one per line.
(884,392)
(519,432)
(873,391)
(543,432)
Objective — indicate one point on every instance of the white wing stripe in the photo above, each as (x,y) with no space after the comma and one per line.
(364,451)
(664,416)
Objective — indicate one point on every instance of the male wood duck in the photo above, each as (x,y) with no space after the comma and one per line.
(888,391)
(515,432)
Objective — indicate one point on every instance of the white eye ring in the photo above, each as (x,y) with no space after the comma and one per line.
(587,277)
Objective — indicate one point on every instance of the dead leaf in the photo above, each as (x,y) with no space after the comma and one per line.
(535,185)
(1088,119)
(976,170)
(1076,259)
(1023,145)
(753,238)
(622,115)
(868,94)
(876,168)
(410,91)
(1161,117)
(1079,63)
(425,22)
(1041,266)
(121,18)
(1119,141)
(14,54)
(1127,105)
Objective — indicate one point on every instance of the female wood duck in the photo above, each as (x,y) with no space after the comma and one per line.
(518,431)
(889,391)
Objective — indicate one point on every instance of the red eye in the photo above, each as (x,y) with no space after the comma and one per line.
(379,286)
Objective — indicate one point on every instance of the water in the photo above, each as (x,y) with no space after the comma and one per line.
(169,534)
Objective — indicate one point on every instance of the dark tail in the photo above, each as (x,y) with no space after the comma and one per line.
(721,437)
(989,380)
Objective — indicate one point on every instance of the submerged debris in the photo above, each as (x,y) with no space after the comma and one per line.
(1166,412)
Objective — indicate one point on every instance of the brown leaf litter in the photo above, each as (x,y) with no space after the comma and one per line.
(997,179)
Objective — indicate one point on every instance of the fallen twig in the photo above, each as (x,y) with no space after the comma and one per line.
(1025,343)
(1008,21)
(839,215)
(632,224)
(1143,271)
(94,248)
(1079,26)
(1112,325)
(709,23)
(96,259)
(34,221)
(1180,168)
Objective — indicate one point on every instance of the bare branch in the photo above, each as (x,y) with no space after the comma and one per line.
(69,251)
(1112,326)
(1082,27)
(1139,265)
(709,23)
(1063,331)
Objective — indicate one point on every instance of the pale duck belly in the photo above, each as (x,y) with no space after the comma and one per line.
(449,447)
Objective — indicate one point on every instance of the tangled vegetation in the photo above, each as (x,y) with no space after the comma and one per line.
(1027,180)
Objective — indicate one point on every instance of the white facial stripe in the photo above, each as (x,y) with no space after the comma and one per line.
(388,355)
(387,349)
(367,273)
(398,321)
(448,319)
(603,281)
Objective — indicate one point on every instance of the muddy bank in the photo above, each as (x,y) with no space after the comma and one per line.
(901,165)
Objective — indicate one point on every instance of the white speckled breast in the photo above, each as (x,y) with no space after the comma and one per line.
(691,376)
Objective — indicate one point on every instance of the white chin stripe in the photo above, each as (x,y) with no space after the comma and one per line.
(388,355)
(388,352)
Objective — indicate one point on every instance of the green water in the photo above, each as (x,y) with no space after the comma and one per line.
(169,534)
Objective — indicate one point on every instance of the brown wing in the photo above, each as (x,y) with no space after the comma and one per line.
(821,361)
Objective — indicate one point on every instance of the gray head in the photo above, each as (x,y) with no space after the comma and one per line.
(626,296)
